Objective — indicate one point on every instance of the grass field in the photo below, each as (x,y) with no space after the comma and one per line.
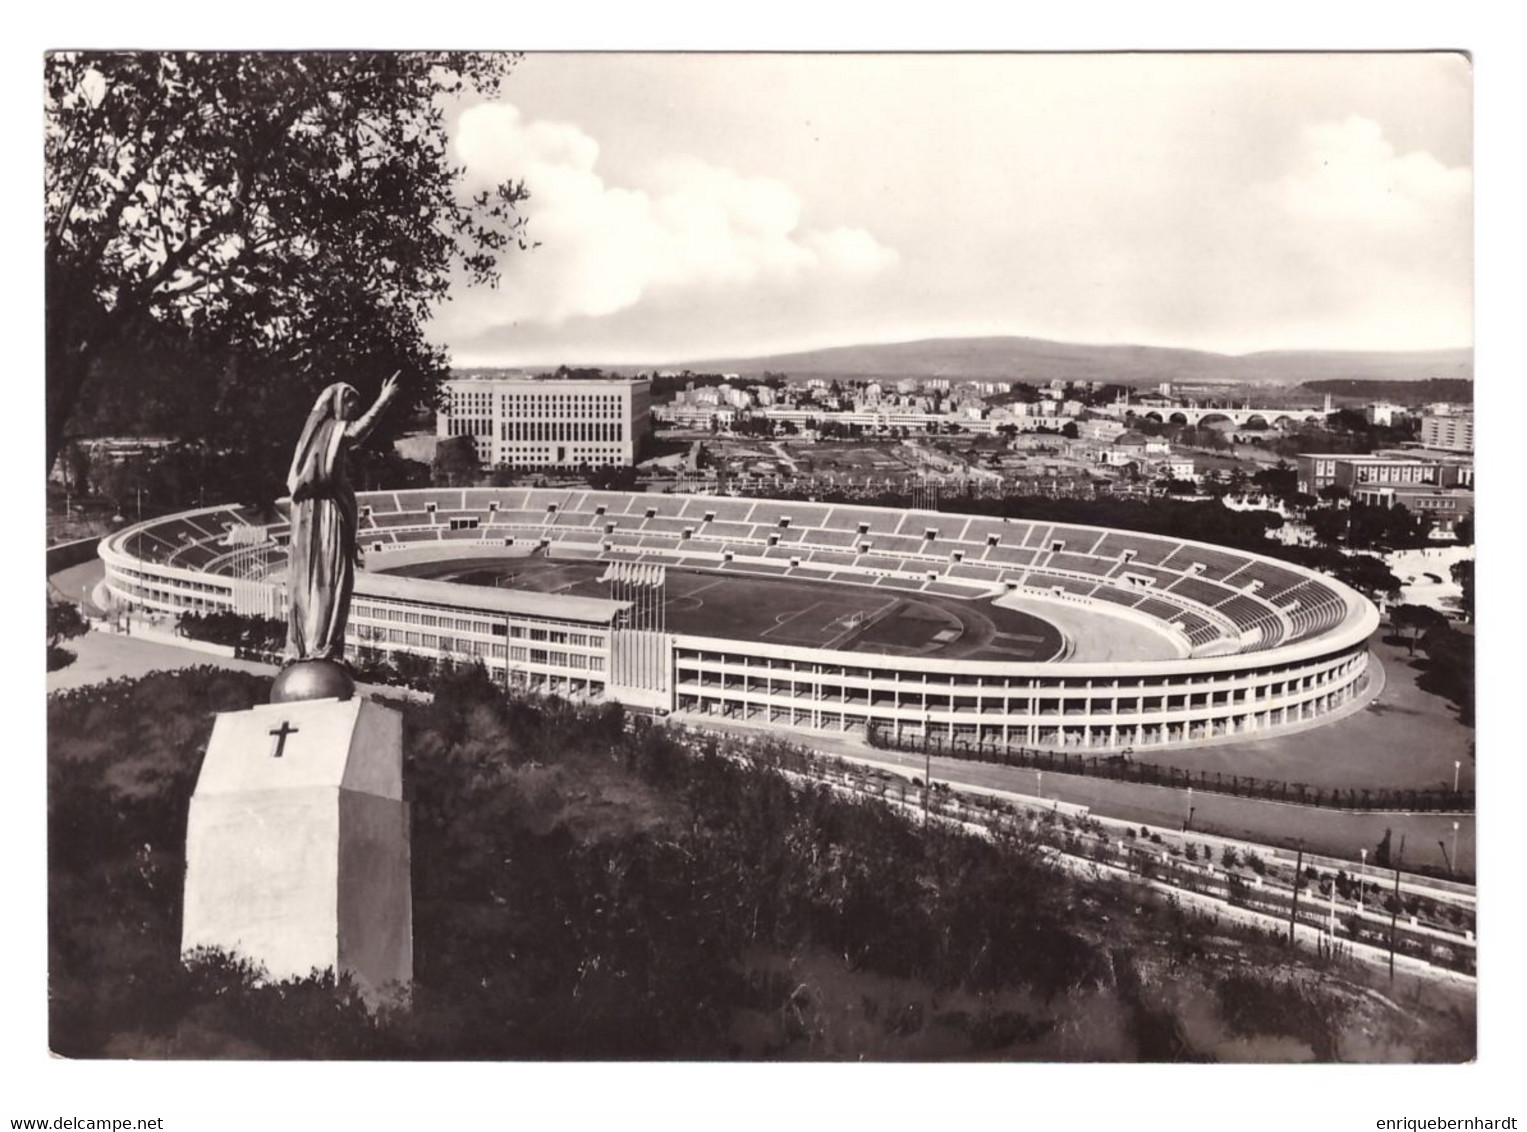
(789,611)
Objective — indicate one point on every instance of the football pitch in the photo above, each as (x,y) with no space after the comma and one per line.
(791,611)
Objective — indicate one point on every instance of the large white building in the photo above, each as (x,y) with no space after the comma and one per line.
(549,422)
(1453,433)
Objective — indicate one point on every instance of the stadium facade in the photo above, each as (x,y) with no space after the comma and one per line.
(1247,645)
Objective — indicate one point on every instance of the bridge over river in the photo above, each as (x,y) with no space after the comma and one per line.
(1241,417)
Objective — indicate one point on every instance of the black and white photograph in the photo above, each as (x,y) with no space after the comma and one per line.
(694,558)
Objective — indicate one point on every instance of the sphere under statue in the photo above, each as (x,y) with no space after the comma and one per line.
(322,550)
(312,680)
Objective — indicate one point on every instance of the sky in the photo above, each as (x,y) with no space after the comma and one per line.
(689,206)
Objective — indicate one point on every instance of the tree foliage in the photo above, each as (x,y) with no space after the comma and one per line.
(1416,620)
(611,477)
(1280,482)
(297,208)
(250,635)
(1393,528)
(1449,670)
(1463,573)
(64,623)
(1368,575)
(456,463)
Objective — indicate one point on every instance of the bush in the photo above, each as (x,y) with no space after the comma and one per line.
(64,623)
(582,888)
(549,922)
(250,636)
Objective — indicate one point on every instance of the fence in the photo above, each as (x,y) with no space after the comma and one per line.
(1121,768)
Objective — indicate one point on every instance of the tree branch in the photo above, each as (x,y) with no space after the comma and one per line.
(79,182)
(143,294)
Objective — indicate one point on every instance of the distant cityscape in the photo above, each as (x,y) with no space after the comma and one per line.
(988,437)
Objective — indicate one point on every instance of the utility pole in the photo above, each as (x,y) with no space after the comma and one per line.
(1394,911)
(1293,908)
(1362,879)
(927,765)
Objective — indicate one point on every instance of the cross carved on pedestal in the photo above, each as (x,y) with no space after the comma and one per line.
(280,734)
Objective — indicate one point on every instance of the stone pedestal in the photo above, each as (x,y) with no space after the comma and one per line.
(297,847)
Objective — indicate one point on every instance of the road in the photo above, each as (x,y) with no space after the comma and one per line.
(1337,833)
(109,656)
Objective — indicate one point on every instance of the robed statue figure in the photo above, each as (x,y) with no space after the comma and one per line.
(321,572)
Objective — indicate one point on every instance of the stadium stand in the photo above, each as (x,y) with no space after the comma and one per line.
(1268,603)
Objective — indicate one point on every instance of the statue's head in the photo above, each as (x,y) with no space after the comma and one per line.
(349,406)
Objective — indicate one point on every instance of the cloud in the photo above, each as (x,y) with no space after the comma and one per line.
(688,226)
(1350,173)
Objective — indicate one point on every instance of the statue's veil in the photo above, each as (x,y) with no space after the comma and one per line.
(313,461)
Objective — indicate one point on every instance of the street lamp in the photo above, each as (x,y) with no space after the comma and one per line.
(1188,822)
(1333,908)
(1361,879)
(1455,842)
(927,764)
(1457,764)
(1039,784)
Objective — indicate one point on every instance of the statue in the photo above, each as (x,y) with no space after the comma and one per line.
(323,552)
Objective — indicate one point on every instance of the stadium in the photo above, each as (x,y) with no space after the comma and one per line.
(813,617)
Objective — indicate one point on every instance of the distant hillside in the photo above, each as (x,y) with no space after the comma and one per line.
(1029,359)
(1363,365)
(1413,392)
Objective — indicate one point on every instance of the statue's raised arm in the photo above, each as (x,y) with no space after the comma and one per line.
(358,429)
